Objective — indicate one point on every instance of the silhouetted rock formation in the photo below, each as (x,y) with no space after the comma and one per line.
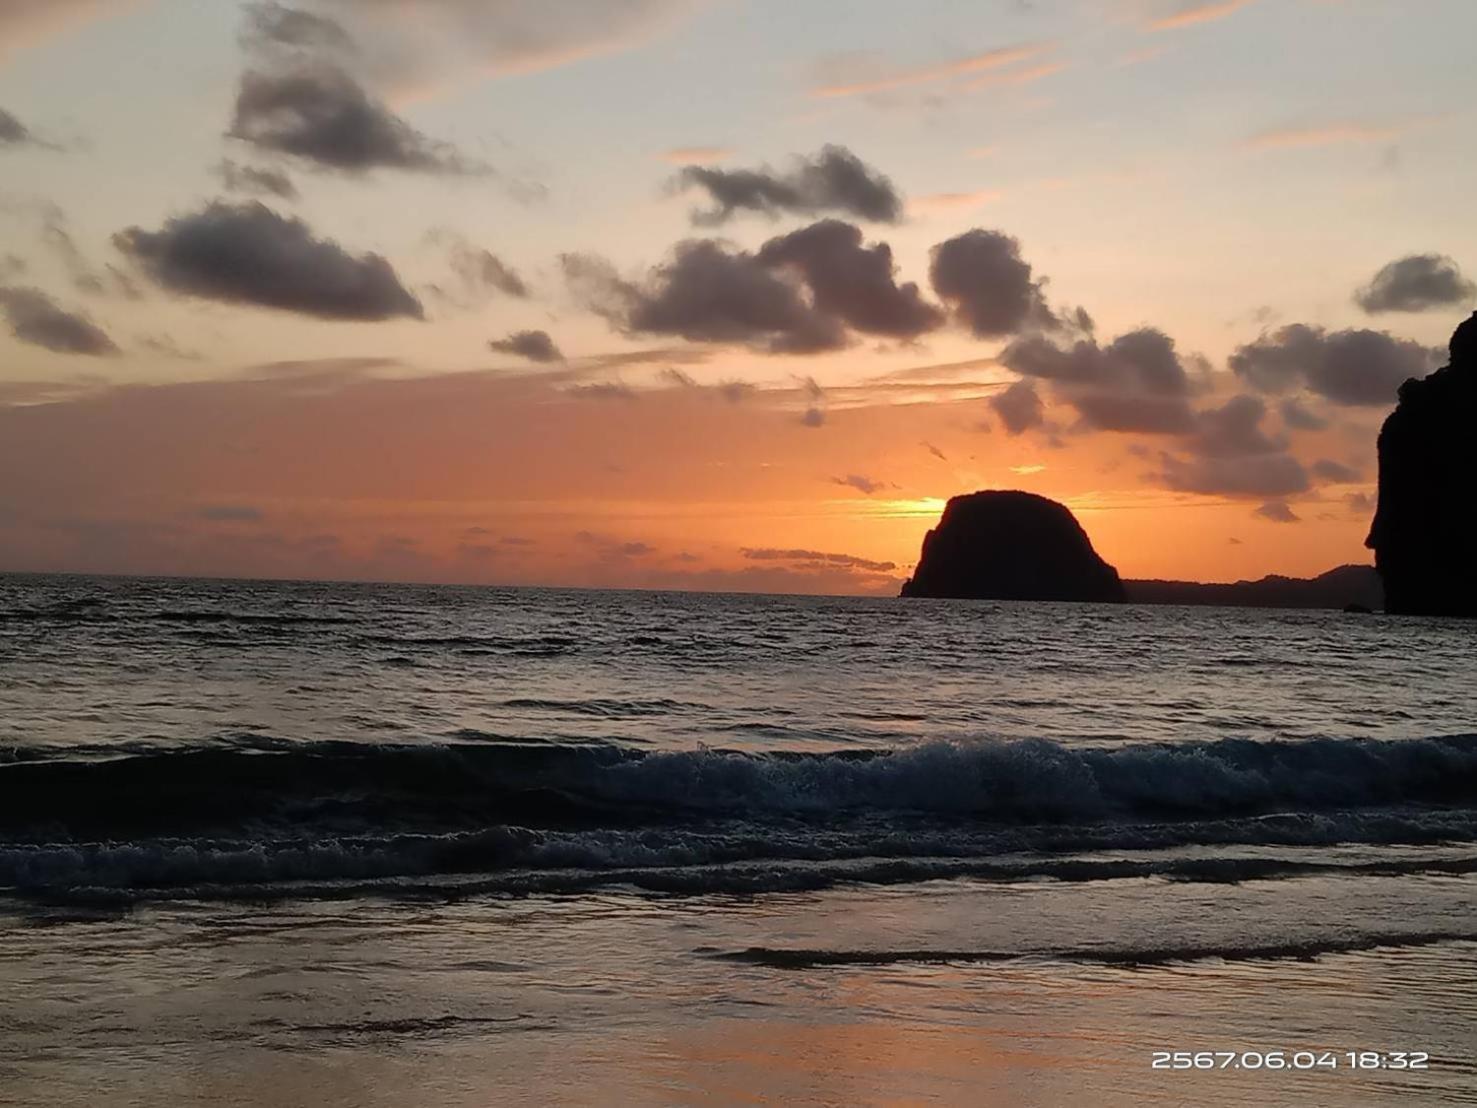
(1351,588)
(1011,546)
(1424,535)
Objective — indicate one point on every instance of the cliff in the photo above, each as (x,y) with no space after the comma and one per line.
(1011,546)
(1424,535)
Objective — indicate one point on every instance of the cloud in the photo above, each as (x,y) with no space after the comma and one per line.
(1355,367)
(482,271)
(1278,512)
(854,283)
(1019,408)
(1234,456)
(1196,11)
(1335,473)
(320,114)
(1416,283)
(12,131)
(1138,382)
(953,201)
(1259,476)
(270,26)
(769,554)
(862,483)
(813,417)
(252,180)
(1328,135)
(936,452)
(536,346)
(708,292)
(424,46)
(887,80)
(165,346)
(1299,417)
(35,318)
(982,277)
(696,155)
(248,254)
(834,180)
(109,281)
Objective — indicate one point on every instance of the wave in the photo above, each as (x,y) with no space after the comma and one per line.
(1009,782)
(548,816)
(518,862)
(1303,951)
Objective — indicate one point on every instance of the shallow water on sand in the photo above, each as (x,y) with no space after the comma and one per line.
(308,844)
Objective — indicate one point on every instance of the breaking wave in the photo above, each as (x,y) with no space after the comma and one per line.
(259,815)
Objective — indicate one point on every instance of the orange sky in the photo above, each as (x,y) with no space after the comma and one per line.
(718,294)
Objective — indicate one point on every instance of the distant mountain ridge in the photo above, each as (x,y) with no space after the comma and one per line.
(1343,587)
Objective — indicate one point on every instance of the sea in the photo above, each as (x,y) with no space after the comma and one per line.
(280,844)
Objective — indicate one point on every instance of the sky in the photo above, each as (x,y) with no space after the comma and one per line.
(714,294)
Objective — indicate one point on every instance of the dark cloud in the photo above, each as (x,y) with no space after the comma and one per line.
(271,26)
(1335,472)
(801,293)
(536,346)
(317,112)
(12,131)
(834,180)
(1278,512)
(1234,456)
(482,271)
(708,292)
(861,482)
(1416,284)
(735,392)
(36,318)
(1019,408)
(1138,382)
(936,452)
(1299,417)
(252,180)
(813,417)
(855,283)
(982,277)
(1356,367)
(769,554)
(1257,476)
(248,254)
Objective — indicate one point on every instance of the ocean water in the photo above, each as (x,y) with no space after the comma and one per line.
(279,844)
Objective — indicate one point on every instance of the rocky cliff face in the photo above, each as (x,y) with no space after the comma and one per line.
(1011,546)
(1424,534)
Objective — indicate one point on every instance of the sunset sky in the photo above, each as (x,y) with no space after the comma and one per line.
(716,294)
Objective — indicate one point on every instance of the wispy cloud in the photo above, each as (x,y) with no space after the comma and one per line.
(1017,77)
(1203,11)
(1332,134)
(959,67)
(696,155)
(954,201)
